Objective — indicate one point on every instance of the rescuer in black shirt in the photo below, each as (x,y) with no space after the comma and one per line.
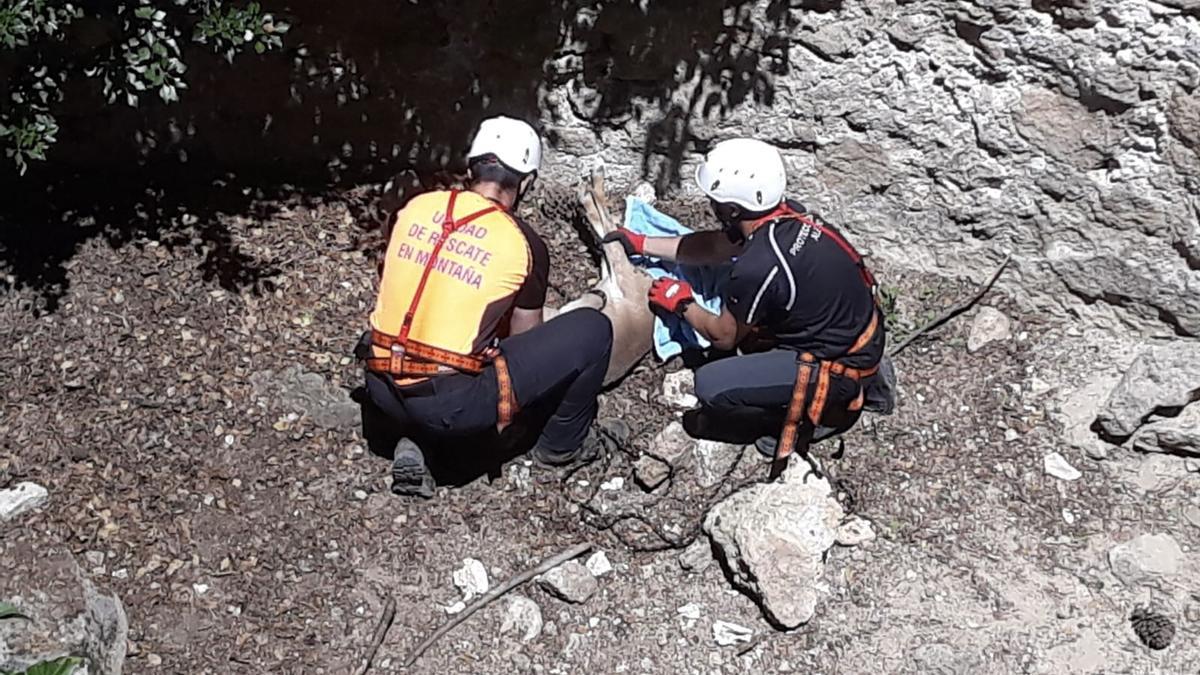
(799,306)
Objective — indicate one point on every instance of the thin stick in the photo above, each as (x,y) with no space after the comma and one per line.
(385,622)
(955,310)
(758,639)
(514,581)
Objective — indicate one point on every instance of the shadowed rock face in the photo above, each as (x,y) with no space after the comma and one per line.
(940,133)
(936,133)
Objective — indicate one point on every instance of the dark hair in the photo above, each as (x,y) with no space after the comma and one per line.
(488,169)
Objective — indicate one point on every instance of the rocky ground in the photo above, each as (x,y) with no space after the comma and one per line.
(244,528)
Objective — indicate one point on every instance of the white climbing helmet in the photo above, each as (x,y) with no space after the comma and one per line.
(743,171)
(512,141)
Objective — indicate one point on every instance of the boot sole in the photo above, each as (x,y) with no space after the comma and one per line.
(410,476)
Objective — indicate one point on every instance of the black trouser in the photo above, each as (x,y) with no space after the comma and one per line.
(745,397)
(557,370)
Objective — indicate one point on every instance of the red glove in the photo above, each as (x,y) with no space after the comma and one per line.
(673,295)
(632,242)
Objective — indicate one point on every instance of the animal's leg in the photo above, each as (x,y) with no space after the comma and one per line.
(614,264)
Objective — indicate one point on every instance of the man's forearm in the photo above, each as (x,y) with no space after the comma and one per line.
(665,248)
(697,248)
(721,330)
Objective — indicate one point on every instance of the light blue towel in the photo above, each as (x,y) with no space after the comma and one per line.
(673,335)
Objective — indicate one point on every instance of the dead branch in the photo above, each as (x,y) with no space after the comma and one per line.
(953,311)
(385,622)
(513,582)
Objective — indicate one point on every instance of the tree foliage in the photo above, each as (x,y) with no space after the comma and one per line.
(133,49)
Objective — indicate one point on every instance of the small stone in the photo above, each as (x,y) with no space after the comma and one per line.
(990,325)
(522,615)
(200,589)
(726,633)
(1056,465)
(1068,517)
(1145,559)
(678,389)
(1011,435)
(455,608)
(154,660)
(650,472)
(614,483)
(671,449)
(1192,515)
(471,578)
(21,499)
(855,531)
(570,581)
(598,564)
(697,556)
(689,611)
(360,495)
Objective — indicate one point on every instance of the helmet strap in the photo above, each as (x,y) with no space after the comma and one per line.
(526,185)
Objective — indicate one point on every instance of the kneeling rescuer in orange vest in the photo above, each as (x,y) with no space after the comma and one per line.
(457,345)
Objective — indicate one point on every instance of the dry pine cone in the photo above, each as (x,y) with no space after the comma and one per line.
(1153,628)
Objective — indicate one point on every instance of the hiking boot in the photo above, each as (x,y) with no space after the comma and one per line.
(766,446)
(410,476)
(604,434)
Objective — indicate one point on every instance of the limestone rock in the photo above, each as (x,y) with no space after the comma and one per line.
(21,499)
(726,633)
(598,564)
(1145,559)
(471,579)
(1063,128)
(309,393)
(1056,465)
(696,557)
(650,472)
(1184,117)
(68,616)
(773,538)
(990,325)
(522,616)
(1178,435)
(570,581)
(1164,375)
(854,532)
(670,449)
(714,461)
(679,389)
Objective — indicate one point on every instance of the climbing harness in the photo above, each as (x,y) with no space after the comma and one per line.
(810,369)
(410,358)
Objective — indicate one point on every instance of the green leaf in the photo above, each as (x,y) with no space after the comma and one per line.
(61,666)
(259,47)
(10,611)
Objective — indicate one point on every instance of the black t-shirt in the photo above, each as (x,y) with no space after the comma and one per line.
(532,294)
(801,286)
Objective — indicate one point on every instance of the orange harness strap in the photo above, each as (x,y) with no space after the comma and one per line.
(506,405)
(816,408)
(826,369)
(408,357)
(791,425)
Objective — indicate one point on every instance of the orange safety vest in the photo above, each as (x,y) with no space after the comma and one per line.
(454,265)
(825,369)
